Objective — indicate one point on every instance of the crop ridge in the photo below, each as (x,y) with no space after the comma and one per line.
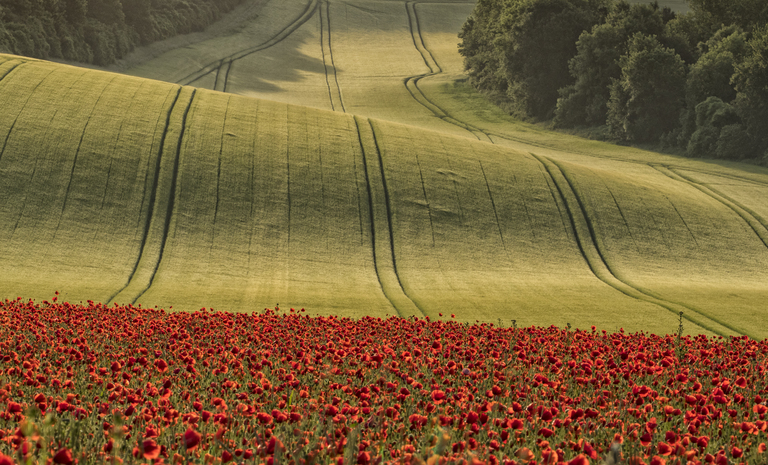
(426,199)
(77,153)
(289,29)
(493,205)
(589,248)
(326,48)
(21,110)
(8,66)
(218,175)
(682,219)
(381,223)
(161,201)
(753,220)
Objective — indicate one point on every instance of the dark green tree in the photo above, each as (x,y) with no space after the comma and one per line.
(712,74)
(751,83)
(743,13)
(596,62)
(518,50)
(647,98)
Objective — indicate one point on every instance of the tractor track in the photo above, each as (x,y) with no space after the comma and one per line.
(162,200)
(411,83)
(217,65)
(382,239)
(326,48)
(591,247)
(753,220)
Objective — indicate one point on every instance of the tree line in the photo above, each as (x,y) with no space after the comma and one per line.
(99,31)
(697,81)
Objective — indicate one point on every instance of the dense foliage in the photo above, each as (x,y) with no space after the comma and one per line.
(98,31)
(697,80)
(97,384)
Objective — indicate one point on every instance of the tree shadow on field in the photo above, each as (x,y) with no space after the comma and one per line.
(285,62)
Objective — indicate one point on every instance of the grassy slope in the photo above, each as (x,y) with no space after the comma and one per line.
(238,203)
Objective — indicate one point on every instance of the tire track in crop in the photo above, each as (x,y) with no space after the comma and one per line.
(753,220)
(381,223)
(412,83)
(162,200)
(222,76)
(334,89)
(589,246)
(217,65)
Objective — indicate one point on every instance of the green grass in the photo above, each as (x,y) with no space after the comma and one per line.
(416,196)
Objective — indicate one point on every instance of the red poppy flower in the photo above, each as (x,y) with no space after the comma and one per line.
(580,459)
(191,439)
(13,407)
(161,365)
(150,449)
(525,454)
(438,395)
(64,457)
(264,418)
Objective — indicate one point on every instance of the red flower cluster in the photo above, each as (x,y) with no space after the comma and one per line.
(95,384)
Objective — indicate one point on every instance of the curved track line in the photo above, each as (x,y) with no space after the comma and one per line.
(755,222)
(153,195)
(493,204)
(308,12)
(7,67)
(589,247)
(162,200)
(334,90)
(412,83)
(21,110)
(381,223)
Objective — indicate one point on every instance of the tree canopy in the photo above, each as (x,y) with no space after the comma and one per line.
(639,70)
(99,31)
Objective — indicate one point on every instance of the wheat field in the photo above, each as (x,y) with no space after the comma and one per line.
(330,155)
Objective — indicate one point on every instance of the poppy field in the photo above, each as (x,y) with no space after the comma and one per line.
(88,383)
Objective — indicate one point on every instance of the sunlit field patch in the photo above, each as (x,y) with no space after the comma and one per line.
(89,383)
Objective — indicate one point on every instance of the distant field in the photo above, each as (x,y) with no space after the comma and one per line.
(393,188)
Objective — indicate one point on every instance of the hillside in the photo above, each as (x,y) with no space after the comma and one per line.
(124,189)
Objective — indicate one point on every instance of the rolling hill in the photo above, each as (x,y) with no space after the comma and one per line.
(358,175)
